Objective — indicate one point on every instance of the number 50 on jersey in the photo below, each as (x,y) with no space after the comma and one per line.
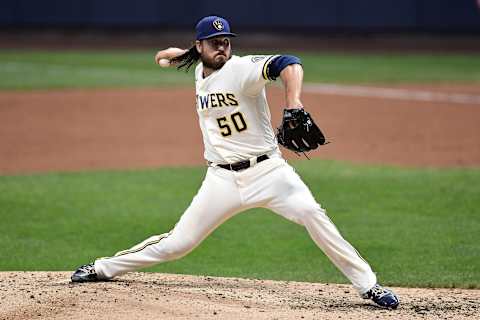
(235,120)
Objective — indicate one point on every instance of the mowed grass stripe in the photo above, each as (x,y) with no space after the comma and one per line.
(26,70)
(416,227)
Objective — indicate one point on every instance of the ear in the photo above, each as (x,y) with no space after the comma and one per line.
(198,44)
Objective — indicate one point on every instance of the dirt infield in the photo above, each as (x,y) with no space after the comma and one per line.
(68,130)
(41,295)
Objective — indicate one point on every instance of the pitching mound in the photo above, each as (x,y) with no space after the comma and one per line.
(51,295)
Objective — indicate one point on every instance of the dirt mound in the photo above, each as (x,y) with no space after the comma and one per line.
(51,295)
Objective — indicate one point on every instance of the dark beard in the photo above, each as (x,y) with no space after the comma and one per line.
(212,64)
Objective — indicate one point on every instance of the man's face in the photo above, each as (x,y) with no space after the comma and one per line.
(214,52)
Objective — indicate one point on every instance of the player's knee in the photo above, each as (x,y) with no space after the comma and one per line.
(302,209)
(303,213)
(179,247)
(309,210)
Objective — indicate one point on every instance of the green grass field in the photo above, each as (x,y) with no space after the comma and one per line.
(64,69)
(417,227)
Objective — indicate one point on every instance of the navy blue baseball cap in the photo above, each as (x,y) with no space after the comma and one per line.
(212,26)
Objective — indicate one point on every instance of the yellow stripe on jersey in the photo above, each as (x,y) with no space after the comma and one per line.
(265,67)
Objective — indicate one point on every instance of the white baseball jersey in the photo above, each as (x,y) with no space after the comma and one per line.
(235,122)
(233,111)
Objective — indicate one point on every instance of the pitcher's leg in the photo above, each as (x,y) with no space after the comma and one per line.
(295,202)
(216,201)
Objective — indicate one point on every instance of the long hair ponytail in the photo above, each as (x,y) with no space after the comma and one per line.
(188,59)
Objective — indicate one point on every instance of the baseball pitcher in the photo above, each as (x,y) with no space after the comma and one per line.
(245,165)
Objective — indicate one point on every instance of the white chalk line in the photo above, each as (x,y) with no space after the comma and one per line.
(391,93)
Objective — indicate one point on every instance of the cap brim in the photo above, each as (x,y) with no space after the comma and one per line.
(229,34)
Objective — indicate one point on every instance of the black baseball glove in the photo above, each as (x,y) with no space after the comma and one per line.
(298,132)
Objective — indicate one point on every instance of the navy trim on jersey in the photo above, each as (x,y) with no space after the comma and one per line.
(266,66)
(279,63)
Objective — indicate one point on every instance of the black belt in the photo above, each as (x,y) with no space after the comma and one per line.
(237,166)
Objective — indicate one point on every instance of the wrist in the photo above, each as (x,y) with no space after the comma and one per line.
(298,106)
(293,103)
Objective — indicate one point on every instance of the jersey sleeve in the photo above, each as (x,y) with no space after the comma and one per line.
(255,73)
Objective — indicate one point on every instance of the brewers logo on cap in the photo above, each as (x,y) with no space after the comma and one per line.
(218,24)
(213,26)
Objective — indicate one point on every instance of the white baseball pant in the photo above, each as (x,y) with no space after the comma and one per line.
(271,184)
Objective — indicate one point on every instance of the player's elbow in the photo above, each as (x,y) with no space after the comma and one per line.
(292,77)
(282,63)
(292,68)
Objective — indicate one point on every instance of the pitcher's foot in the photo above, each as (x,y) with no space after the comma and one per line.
(382,296)
(85,273)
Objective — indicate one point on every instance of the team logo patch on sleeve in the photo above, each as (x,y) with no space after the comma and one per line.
(218,24)
(256,59)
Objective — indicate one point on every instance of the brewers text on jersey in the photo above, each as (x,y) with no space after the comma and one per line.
(213,100)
